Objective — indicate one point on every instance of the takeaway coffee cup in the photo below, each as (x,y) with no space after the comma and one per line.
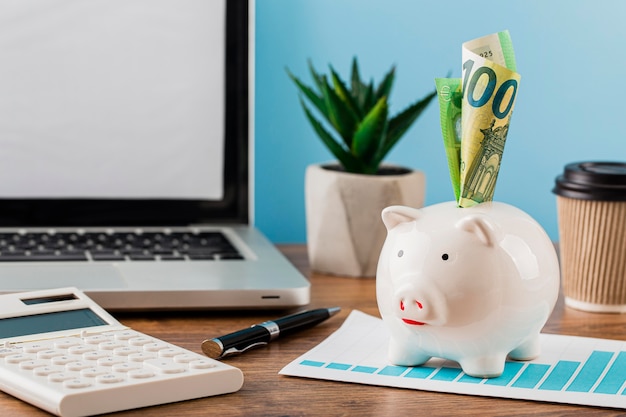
(591,206)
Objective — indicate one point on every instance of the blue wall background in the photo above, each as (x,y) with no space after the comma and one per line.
(570,105)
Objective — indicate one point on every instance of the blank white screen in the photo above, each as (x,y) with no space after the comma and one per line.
(112,98)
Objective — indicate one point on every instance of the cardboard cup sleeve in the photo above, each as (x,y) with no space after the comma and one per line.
(591,208)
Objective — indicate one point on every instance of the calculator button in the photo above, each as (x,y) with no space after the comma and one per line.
(19,357)
(4,352)
(110,361)
(35,347)
(165,366)
(125,351)
(50,353)
(123,335)
(141,356)
(140,341)
(79,365)
(47,370)
(80,349)
(30,365)
(185,358)
(170,352)
(96,340)
(126,367)
(76,383)
(202,364)
(65,359)
(67,342)
(155,346)
(109,378)
(110,345)
(141,374)
(93,356)
(94,371)
(62,376)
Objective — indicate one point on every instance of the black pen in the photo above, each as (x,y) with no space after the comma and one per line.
(262,334)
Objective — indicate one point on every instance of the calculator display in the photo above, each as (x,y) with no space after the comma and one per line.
(49,322)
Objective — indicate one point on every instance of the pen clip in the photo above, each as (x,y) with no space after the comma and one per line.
(234,350)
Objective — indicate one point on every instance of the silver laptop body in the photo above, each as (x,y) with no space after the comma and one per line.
(125,133)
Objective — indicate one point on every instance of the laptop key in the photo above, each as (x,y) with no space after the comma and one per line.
(230,256)
(43,251)
(11,257)
(172,257)
(141,257)
(107,256)
(72,255)
(199,256)
(157,250)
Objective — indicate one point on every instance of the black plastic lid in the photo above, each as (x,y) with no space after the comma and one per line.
(604,181)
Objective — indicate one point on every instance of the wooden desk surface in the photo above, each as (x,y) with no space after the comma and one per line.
(265,393)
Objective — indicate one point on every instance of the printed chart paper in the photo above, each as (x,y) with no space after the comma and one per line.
(570,369)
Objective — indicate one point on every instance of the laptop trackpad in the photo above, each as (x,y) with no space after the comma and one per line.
(32,277)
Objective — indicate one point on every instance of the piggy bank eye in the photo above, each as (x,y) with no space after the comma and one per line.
(400,253)
(445,256)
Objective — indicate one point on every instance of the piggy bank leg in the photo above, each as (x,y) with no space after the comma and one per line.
(529,349)
(484,366)
(403,354)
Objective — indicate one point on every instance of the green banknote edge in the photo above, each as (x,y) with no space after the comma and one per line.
(448,90)
(507,50)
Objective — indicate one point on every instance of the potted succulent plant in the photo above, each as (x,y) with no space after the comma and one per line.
(344,199)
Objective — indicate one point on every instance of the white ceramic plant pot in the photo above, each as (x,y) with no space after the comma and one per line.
(473,285)
(344,231)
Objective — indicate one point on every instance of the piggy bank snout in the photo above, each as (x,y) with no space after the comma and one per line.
(419,305)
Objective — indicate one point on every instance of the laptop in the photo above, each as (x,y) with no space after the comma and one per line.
(125,156)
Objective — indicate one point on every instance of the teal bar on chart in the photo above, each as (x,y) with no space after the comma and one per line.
(510,371)
(590,372)
(615,377)
(446,374)
(421,372)
(531,376)
(560,375)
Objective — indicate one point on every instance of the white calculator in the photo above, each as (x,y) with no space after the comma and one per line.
(62,352)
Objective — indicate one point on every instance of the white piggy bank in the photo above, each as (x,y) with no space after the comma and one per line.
(471,285)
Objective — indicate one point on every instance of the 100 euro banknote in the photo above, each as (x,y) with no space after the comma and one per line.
(489,84)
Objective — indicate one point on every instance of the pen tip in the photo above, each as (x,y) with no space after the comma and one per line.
(334,310)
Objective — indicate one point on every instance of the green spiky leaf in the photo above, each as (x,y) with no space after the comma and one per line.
(369,98)
(317,100)
(399,124)
(355,81)
(370,132)
(344,157)
(345,95)
(384,88)
(319,79)
(339,114)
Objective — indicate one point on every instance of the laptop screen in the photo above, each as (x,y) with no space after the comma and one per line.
(123,112)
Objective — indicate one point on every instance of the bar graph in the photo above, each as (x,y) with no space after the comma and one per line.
(568,375)
(570,369)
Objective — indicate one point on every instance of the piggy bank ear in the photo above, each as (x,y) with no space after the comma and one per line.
(395,215)
(486,231)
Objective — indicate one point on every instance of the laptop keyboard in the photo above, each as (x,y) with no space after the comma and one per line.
(116,246)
